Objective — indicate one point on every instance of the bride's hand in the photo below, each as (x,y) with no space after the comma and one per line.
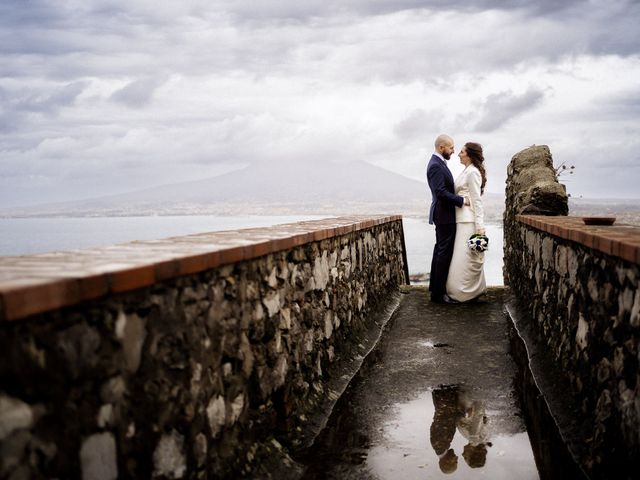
(481,231)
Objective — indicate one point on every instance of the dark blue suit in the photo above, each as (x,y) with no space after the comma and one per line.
(443,214)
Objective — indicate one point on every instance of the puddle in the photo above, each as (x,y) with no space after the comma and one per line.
(456,438)
(442,405)
(442,433)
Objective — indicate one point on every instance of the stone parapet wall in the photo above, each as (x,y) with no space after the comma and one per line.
(193,357)
(581,288)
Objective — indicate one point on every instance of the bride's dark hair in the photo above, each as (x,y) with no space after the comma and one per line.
(474,150)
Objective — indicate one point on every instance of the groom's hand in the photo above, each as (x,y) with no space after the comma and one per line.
(467,201)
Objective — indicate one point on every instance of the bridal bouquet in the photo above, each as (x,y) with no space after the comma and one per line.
(478,243)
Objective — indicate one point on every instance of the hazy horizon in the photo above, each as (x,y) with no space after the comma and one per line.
(169,184)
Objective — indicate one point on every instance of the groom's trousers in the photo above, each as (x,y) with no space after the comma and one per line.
(442,253)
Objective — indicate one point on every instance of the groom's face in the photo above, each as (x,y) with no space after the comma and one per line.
(446,150)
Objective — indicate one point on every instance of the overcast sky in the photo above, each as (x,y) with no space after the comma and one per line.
(106,96)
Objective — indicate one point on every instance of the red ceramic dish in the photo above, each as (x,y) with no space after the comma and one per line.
(598,220)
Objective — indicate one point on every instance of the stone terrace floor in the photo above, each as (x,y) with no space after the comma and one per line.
(455,357)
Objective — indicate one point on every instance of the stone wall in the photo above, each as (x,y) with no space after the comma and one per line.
(207,374)
(579,286)
(585,304)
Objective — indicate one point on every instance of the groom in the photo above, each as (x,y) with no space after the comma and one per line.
(443,214)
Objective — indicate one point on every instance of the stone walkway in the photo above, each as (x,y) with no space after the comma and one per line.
(434,400)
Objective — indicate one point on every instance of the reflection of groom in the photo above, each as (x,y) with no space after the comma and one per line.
(443,427)
(443,214)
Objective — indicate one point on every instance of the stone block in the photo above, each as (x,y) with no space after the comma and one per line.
(98,457)
(328,324)
(582,332)
(130,330)
(14,415)
(561,261)
(216,414)
(272,303)
(200,449)
(321,272)
(547,254)
(168,457)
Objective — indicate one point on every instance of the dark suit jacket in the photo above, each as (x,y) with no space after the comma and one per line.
(443,197)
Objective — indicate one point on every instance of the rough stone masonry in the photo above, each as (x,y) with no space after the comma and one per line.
(583,300)
(204,376)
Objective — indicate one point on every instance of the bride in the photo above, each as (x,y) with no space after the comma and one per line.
(466,275)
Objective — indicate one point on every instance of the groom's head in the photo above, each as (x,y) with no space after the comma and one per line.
(444,146)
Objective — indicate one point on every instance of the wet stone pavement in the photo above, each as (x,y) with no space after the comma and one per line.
(435,399)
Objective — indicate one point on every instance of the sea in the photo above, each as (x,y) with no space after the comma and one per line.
(23,236)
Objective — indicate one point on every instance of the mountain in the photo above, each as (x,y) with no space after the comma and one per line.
(279,188)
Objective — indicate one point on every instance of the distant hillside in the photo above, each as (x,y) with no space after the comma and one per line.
(280,188)
(263,188)
(625,210)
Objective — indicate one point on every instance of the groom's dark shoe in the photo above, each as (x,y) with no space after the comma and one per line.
(448,299)
(443,299)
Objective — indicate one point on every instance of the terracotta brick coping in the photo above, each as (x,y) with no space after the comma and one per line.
(618,240)
(38,283)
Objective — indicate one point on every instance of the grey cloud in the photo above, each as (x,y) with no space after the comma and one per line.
(49,101)
(60,97)
(416,125)
(137,93)
(499,108)
(122,38)
(18,105)
(294,10)
(25,12)
(625,105)
(55,14)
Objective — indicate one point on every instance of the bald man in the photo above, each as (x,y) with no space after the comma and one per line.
(443,214)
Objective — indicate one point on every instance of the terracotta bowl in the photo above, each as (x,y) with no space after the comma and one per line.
(598,220)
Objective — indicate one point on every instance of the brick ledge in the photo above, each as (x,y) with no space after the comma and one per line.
(618,240)
(37,283)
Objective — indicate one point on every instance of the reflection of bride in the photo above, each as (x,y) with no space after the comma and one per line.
(454,410)
(473,426)
(466,275)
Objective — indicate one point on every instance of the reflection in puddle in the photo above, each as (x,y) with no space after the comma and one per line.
(454,410)
(446,433)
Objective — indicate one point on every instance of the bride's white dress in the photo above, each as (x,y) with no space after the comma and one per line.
(466,273)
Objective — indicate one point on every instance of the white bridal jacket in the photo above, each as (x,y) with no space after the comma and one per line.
(466,273)
(468,185)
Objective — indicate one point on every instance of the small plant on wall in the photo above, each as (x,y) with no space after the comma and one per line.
(564,169)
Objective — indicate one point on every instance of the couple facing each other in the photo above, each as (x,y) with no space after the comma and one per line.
(457,273)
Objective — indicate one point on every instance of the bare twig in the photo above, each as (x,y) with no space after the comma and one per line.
(563,169)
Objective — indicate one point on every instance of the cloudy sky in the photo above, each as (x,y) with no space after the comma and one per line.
(107,96)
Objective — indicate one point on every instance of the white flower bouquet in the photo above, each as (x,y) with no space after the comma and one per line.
(478,243)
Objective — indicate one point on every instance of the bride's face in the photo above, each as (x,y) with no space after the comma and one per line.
(464,158)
